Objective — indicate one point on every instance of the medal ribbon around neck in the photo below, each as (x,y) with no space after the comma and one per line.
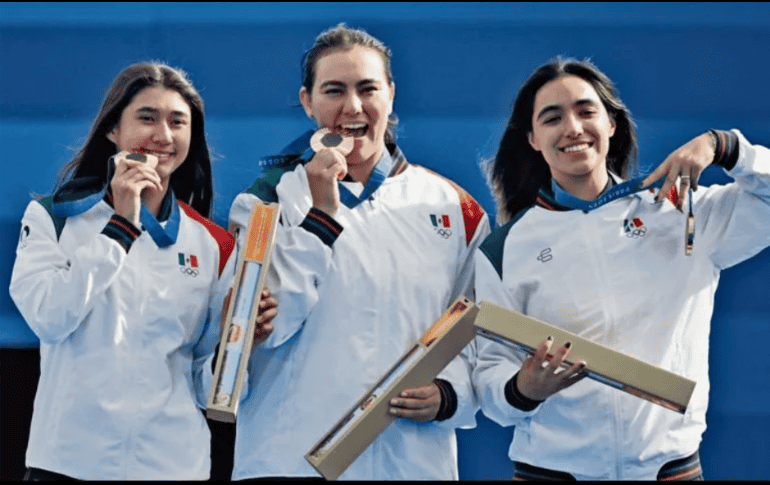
(162,237)
(379,174)
(621,190)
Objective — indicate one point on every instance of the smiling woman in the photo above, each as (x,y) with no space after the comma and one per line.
(618,273)
(366,270)
(102,277)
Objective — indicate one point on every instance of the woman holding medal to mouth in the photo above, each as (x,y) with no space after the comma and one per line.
(122,278)
(604,258)
(361,272)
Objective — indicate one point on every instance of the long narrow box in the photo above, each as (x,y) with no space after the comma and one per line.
(603,364)
(236,341)
(334,453)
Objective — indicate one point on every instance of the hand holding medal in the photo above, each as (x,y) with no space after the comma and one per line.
(327,166)
(134,173)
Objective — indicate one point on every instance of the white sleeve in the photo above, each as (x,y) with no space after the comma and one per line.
(496,364)
(300,262)
(732,220)
(55,291)
(458,372)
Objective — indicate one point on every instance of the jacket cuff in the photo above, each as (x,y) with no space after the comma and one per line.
(517,399)
(726,152)
(448,400)
(322,225)
(121,230)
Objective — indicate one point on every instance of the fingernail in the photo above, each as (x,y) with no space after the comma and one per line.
(568,345)
(582,365)
(393,412)
(403,394)
(549,338)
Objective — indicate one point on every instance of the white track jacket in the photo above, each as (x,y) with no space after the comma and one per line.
(632,289)
(122,338)
(354,292)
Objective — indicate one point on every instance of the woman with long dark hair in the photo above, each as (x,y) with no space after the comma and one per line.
(122,278)
(587,249)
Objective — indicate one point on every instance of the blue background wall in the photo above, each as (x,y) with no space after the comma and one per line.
(680,67)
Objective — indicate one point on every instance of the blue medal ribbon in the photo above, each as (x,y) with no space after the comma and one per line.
(162,237)
(381,170)
(621,190)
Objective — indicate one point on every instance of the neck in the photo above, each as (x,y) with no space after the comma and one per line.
(587,187)
(154,200)
(360,170)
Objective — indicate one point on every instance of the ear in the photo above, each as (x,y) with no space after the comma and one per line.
(304,98)
(392,97)
(532,142)
(612,126)
(111,135)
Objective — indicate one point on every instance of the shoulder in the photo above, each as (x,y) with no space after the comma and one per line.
(47,204)
(493,246)
(225,241)
(271,169)
(472,212)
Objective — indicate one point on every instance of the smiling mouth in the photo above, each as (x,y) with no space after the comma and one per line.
(576,148)
(161,156)
(355,130)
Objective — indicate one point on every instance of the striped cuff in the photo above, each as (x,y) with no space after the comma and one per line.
(121,230)
(517,399)
(448,400)
(322,225)
(726,152)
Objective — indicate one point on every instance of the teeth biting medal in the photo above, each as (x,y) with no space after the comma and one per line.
(325,138)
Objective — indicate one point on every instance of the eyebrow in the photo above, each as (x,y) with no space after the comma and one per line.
(558,108)
(148,109)
(359,84)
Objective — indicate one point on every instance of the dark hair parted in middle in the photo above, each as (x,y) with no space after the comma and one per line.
(518,171)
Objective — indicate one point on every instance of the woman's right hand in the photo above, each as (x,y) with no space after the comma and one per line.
(537,379)
(323,171)
(131,178)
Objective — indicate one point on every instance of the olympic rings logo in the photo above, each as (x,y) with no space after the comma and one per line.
(189,271)
(637,232)
(445,233)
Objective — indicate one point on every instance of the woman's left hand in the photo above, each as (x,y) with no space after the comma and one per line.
(268,309)
(686,163)
(419,403)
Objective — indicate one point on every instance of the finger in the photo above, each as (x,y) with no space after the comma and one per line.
(656,174)
(541,354)
(267,315)
(425,414)
(684,187)
(560,355)
(667,184)
(421,392)
(695,176)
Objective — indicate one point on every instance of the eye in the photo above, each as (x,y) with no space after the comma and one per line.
(588,113)
(332,91)
(551,120)
(179,122)
(146,117)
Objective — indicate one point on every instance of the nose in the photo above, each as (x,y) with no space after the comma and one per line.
(162,134)
(353,104)
(572,126)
